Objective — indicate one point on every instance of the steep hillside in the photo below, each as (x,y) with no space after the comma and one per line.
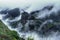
(6,34)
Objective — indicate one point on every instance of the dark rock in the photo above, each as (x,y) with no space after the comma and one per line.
(31,27)
(55,17)
(14,24)
(14,12)
(31,18)
(48,7)
(24,17)
(4,11)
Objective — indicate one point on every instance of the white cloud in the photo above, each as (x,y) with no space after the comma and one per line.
(33,5)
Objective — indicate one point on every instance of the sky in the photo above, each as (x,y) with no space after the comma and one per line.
(32,4)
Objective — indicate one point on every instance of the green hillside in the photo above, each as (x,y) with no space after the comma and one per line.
(6,34)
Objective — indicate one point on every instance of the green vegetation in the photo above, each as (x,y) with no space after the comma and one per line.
(6,34)
(30,38)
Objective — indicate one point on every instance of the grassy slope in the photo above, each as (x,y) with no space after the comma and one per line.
(6,34)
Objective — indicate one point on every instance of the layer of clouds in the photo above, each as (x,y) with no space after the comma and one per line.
(31,5)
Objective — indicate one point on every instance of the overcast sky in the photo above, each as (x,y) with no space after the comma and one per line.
(33,4)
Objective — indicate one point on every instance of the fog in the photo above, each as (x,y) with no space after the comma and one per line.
(30,6)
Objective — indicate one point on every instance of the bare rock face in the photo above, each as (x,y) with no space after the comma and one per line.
(14,12)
